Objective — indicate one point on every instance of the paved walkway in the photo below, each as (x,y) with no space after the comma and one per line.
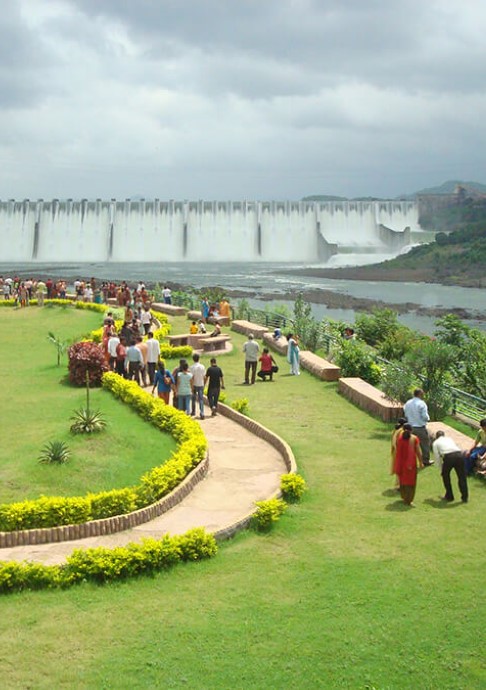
(243,469)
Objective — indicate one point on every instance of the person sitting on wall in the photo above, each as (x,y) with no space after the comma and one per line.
(216,332)
(201,327)
(193,328)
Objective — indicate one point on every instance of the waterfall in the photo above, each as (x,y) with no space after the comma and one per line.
(164,231)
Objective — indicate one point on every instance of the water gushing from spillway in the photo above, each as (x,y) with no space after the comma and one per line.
(170,231)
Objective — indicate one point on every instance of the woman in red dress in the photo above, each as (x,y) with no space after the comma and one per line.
(408,457)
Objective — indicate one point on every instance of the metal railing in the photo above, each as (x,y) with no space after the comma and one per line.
(467,405)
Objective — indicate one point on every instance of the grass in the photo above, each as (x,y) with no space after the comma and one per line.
(40,404)
(350,590)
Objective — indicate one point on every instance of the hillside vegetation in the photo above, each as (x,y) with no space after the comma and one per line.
(457,256)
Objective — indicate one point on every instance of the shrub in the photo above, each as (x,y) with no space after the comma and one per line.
(355,359)
(86,358)
(179,352)
(397,343)
(241,405)
(432,361)
(55,452)
(375,327)
(292,487)
(105,565)
(267,513)
(87,421)
(91,306)
(397,382)
(44,512)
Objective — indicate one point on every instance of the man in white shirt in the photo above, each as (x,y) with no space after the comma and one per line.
(417,415)
(198,372)
(146,319)
(153,354)
(450,457)
(113,342)
(251,350)
(167,294)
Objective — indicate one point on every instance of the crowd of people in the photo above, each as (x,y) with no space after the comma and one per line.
(134,353)
(23,290)
(411,450)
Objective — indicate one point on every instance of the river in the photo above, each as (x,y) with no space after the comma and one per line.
(264,279)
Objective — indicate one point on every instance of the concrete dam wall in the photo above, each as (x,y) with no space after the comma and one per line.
(123,231)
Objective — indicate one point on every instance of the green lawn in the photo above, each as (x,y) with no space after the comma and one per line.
(38,407)
(350,590)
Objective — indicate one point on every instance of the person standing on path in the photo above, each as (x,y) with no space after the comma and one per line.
(153,354)
(214,376)
(251,350)
(198,372)
(134,363)
(408,458)
(164,382)
(417,415)
(449,457)
(112,345)
(142,346)
(184,389)
(293,351)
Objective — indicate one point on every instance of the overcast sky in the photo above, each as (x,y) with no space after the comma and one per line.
(240,99)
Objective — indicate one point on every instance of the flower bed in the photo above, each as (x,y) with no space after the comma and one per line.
(154,484)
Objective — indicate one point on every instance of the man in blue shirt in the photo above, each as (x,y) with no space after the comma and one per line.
(417,415)
(134,362)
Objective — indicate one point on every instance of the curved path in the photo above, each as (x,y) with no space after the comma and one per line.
(243,468)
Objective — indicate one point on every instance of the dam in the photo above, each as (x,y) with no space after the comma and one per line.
(173,231)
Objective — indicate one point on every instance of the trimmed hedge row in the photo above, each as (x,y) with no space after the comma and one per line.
(105,565)
(154,484)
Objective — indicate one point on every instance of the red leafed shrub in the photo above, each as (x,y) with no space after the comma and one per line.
(86,357)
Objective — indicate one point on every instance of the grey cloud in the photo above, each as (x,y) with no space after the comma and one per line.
(21,57)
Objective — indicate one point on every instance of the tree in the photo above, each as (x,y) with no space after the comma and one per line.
(432,361)
(60,345)
(306,327)
(451,330)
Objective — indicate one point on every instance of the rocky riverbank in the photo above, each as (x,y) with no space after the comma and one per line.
(377,272)
(337,300)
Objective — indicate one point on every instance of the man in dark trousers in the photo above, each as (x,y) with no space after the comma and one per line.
(216,381)
(450,456)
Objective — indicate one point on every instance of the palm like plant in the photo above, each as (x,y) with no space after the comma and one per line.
(55,452)
(87,421)
(59,344)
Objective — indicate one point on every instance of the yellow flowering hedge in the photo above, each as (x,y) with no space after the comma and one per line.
(154,484)
(105,565)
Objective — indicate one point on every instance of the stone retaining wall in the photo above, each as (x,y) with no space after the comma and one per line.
(369,398)
(117,523)
(169,309)
(277,344)
(247,327)
(318,366)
